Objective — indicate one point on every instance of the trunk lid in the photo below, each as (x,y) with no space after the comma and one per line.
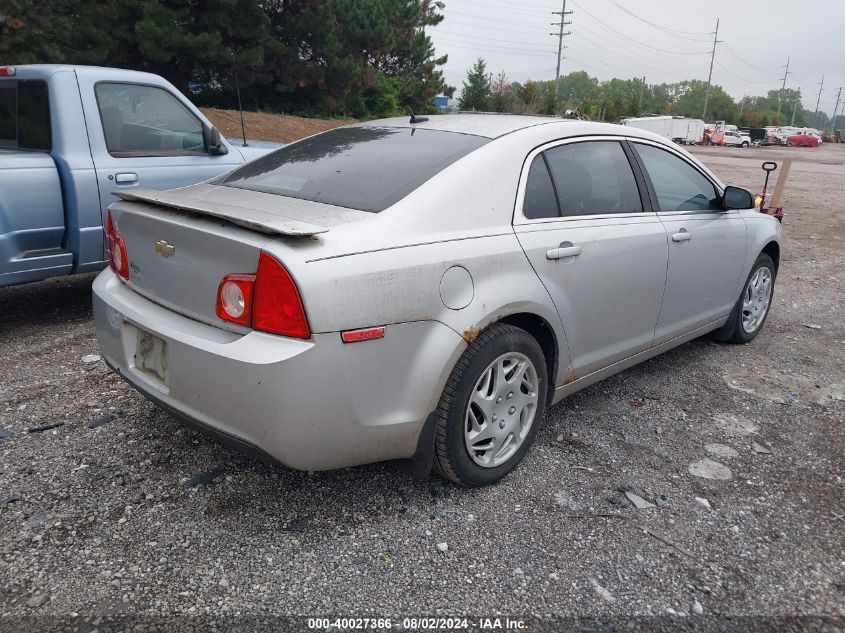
(180,244)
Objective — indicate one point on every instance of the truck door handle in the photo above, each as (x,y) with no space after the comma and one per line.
(566,249)
(126,178)
(682,236)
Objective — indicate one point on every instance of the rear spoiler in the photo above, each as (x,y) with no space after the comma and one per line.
(253,219)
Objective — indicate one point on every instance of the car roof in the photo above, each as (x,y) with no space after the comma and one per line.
(496,125)
(491,125)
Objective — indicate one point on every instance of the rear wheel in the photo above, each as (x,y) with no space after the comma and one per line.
(752,307)
(491,407)
(745,143)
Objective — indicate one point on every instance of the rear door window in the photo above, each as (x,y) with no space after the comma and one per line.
(140,120)
(593,177)
(365,168)
(25,115)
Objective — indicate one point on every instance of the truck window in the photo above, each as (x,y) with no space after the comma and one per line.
(25,115)
(141,120)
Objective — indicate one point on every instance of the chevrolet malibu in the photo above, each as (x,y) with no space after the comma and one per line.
(424,290)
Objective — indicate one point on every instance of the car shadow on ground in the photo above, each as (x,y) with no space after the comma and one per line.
(44,304)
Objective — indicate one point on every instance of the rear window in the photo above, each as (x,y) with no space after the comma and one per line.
(365,168)
(25,115)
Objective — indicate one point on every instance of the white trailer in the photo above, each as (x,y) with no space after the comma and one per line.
(687,131)
(676,128)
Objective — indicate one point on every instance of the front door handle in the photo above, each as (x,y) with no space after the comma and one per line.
(126,178)
(682,236)
(566,249)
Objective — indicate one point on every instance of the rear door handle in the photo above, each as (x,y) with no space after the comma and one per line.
(682,236)
(126,178)
(566,249)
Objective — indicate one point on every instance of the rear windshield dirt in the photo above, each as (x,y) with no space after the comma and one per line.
(364,168)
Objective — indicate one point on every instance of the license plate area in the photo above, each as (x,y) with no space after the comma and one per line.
(151,356)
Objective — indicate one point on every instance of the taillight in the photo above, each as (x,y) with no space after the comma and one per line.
(7,71)
(268,300)
(277,306)
(234,299)
(116,249)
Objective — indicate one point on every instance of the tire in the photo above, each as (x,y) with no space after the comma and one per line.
(744,144)
(500,347)
(737,329)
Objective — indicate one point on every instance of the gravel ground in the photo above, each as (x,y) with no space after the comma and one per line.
(107,522)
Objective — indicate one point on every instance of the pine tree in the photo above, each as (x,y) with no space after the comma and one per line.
(476,93)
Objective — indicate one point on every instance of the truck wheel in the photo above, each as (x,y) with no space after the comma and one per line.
(491,407)
(752,307)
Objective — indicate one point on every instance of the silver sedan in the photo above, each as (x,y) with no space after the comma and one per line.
(424,289)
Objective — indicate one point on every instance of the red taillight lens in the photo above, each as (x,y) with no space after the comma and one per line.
(234,299)
(268,300)
(116,249)
(277,306)
(7,71)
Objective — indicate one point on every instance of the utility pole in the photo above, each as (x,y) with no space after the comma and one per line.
(642,90)
(794,109)
(783,87)
(560,35)
(833,123)
(710,76)
(818,101)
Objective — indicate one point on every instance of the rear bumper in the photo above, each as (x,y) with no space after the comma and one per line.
(312,405)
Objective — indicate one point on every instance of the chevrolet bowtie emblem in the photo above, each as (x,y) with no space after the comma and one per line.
(164,249)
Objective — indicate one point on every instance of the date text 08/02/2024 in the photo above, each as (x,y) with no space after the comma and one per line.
(416,624)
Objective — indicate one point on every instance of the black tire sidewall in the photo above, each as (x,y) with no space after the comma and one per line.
(740,335)
(510,339)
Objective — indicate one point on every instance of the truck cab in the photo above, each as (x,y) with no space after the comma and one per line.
(70,136)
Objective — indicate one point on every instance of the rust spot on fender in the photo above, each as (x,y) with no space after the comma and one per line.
(470,334)
(570,377)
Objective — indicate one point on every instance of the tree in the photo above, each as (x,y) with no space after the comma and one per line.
(577,90)
(503,98)
(476,93)
(689,97)
(361,57)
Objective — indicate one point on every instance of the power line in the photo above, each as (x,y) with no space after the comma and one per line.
(509,52)
(659,64)
(472,39)
(665,29)
(497,29)
(605,25)
(742,79)
(475,17)
(754,66)
(508,8)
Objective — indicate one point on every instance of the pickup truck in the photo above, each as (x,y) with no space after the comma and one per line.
(72,135)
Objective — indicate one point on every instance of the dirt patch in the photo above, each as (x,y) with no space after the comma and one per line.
(263,126)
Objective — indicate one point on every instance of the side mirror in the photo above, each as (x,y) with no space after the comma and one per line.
(736,198)
(214,144)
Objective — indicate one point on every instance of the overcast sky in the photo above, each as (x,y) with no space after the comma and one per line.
(663,40)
